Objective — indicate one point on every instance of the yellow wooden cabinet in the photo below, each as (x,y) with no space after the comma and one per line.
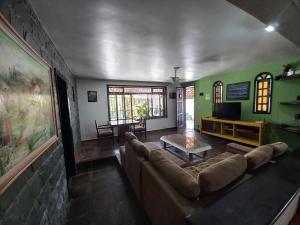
(246,132)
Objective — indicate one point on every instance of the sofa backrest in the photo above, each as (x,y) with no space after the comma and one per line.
(221,174)
(259,156)
(279,148)
(177,177)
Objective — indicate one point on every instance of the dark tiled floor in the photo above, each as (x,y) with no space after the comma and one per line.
(103,196)
(93,150)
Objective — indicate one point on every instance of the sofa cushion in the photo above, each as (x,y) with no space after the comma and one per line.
(219,175)
(140,149)
(259,156)
(196,169)
(279,148)
(129,136)
(180,180)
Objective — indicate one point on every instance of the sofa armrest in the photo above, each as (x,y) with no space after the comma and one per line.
(173,207)
(238,148)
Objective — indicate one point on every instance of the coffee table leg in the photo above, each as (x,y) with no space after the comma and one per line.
(204,154)
(190,156)
(165,145)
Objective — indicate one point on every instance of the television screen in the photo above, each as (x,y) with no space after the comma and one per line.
(228,110)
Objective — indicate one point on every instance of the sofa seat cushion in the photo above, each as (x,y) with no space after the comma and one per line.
(196,169)
(176,176)
(220,174)
(259,156)
(279,148)
(129,136)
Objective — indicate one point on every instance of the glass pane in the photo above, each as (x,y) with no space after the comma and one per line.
(140,106)
(134,90)
(114,89)
(265,100)
(156,105)
(265,93)
(259,108)
(264,108)
(128,112)
(112,107)
(162,110)
(121,111)
(157,90)
(260,85)
(259,100)
(260,93)
(266,84)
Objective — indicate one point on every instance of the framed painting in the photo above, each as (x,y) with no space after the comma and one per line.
(92,96)
(27,109)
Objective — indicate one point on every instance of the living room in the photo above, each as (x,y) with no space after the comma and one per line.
(148,112)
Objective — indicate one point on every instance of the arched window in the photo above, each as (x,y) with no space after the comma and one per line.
(217,92)
(263,93)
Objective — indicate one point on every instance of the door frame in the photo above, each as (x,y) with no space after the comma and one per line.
(65,123)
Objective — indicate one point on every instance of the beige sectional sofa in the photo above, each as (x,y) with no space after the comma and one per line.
(170,189)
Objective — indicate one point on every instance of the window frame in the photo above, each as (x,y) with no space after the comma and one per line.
(215,85)
(149,99)
(270,94)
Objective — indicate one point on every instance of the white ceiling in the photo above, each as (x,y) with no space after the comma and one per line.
(143,39)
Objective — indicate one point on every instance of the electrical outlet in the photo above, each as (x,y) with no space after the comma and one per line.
(297,116)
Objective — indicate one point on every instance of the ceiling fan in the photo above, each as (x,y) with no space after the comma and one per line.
(175,79)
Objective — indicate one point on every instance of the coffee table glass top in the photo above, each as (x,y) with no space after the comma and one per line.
(186,144)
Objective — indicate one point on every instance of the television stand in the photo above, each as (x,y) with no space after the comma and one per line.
(246,132)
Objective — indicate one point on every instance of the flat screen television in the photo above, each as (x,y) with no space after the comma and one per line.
(228,110)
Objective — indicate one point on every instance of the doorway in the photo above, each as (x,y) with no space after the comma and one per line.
(65,125)
(189,107)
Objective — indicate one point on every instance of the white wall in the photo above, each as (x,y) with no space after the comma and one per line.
(91,111)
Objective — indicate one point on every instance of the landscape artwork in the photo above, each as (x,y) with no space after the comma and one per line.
(26,109)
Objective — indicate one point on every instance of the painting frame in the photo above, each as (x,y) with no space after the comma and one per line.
(13,173)
(238,85)
(92,96)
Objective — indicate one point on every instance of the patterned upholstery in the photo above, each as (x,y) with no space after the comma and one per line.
(196,169)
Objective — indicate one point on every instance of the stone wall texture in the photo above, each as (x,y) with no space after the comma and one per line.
(39,195)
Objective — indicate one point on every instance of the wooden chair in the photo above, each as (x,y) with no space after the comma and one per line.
(104,131)
(141,127)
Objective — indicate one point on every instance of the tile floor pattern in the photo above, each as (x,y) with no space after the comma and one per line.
(100,194)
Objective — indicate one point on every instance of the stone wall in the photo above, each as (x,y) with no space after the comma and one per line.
(39,195)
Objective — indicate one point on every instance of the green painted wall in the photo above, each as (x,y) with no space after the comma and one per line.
(282,91)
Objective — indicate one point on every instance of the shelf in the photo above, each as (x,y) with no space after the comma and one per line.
(290,103)
(289,128)
(280,77)
(237,139)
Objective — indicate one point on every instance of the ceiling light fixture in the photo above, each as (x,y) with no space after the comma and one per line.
(270,28)
(176,79)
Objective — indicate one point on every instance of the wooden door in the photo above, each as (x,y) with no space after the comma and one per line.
(180,96)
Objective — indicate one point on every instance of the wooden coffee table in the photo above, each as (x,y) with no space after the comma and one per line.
(189,145)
